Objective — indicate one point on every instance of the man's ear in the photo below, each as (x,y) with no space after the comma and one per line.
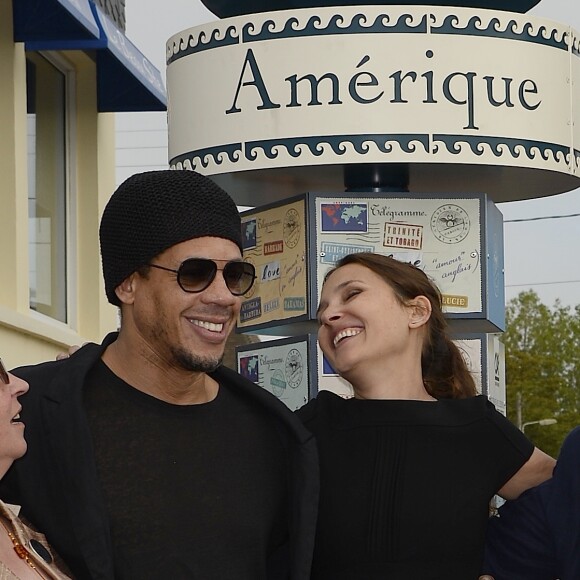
(125,291)
(420,311)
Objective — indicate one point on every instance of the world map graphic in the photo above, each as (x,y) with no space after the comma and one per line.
(344,217)
(249,367)
(249,234)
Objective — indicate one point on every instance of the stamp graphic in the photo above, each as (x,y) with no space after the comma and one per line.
(276,247)
(249,234)
(398,235)
(455,301)
(344,217)
(294,303)
(291,228)
(331,252)
(249,367)
(278,383)
(272,305)
(450,224)
(251,309)
(294,368)
(270,271)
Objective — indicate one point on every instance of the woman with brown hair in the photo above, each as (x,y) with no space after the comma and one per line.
(410,464)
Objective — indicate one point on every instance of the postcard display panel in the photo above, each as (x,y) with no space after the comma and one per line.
(457,240)
(483,354)
(294,369)
(283,367)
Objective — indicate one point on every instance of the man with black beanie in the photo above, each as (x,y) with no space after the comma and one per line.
(146,457)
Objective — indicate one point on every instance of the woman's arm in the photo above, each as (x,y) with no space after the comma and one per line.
(538,468)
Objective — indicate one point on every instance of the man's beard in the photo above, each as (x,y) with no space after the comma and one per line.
(194,363)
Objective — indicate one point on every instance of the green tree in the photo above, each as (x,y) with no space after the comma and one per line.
(542,349)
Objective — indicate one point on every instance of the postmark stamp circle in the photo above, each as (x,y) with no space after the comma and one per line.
(294,368)
(291,228)
(450,223)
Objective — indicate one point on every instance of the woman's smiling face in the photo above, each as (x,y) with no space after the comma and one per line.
(362,321)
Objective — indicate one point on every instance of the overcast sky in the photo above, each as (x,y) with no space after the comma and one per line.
(539,254)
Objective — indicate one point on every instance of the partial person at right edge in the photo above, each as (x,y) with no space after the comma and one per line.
(537,536)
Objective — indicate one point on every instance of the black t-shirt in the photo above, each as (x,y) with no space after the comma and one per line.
(406,485)
(196,491)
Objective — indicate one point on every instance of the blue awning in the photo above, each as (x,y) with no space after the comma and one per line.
(126,80)
(60,21)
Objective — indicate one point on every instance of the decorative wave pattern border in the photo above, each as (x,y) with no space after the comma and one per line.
(496,29)
(217,155)
(363,144)
(204,41)
(498,145)
(338,143)
(360,23)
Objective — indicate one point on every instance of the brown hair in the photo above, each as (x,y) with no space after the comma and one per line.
(445,372)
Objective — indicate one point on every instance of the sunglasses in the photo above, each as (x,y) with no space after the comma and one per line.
(4,374)
(196,274)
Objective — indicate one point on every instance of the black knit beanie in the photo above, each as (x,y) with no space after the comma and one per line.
(152,211)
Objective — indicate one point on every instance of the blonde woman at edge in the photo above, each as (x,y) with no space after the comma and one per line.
(24,553)
(409,465)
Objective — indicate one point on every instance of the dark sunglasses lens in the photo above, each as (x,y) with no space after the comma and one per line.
(239,277)
(196,274)
(3,374)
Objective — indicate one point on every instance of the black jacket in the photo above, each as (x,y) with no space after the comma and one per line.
(57,485)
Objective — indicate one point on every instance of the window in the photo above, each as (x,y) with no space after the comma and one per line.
(47,185)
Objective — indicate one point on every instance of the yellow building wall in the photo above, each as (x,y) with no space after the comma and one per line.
(27,337)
